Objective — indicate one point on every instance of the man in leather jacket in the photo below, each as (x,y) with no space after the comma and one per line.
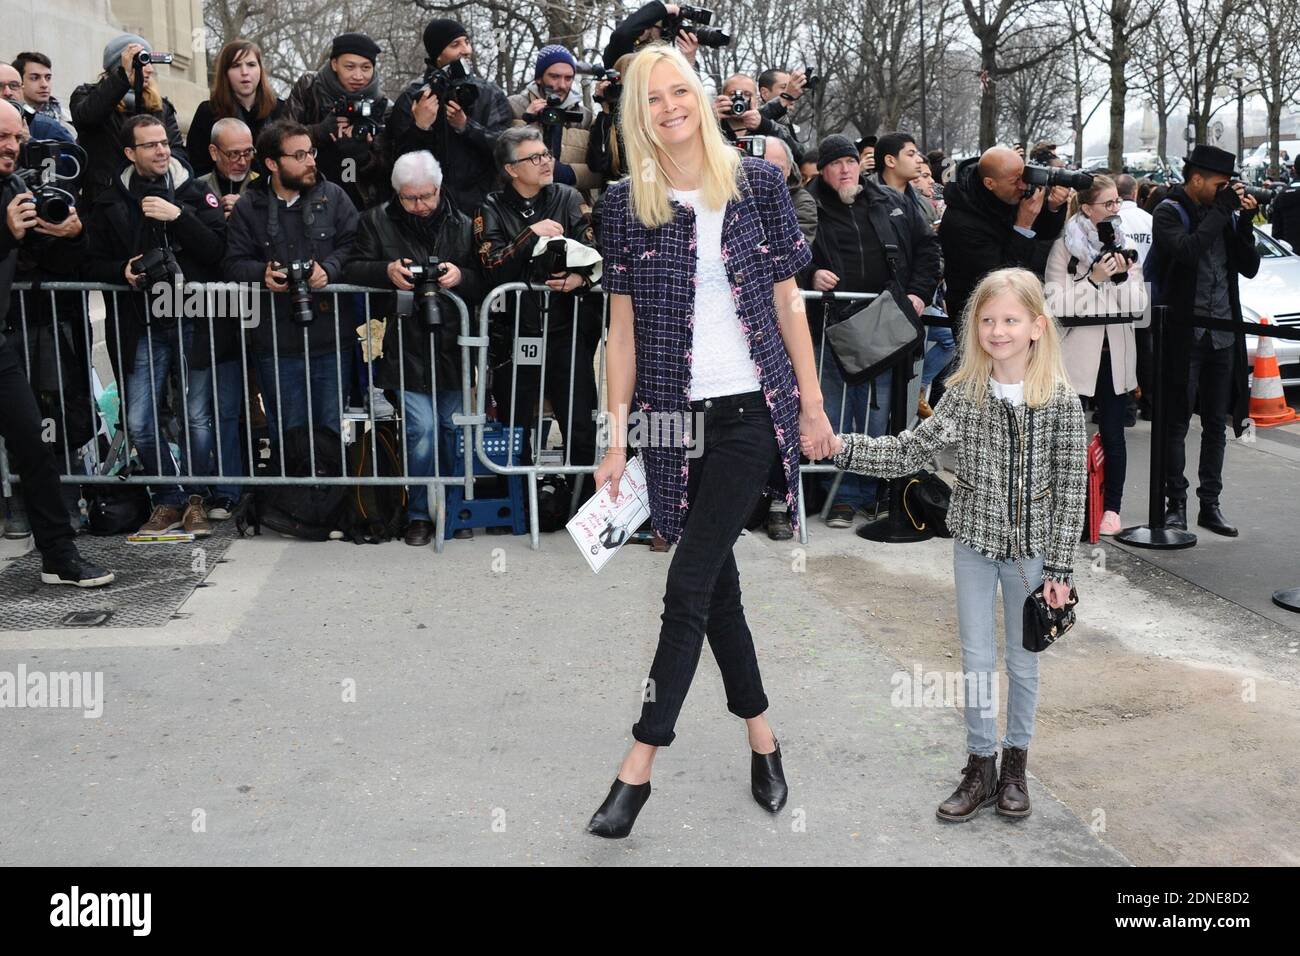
(423,365)
(507,229)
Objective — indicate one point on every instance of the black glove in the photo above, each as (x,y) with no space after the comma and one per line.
(1227,199)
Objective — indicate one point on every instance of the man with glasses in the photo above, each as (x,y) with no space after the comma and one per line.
(422,364)
(295,216)
(749,123)
(507,229)
(155,208)
(41,125)
(232,152)
(992,220)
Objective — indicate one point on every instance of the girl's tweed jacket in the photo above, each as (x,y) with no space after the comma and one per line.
(761,245)
(1021,472)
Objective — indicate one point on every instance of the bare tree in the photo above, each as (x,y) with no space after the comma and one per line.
(1112,47)
(1271,52)
(1034,102)
(1153,57)
(1200,54)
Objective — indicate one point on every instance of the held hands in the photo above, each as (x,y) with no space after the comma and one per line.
(816,437)
(611,469)
(155,207)
(1056,593)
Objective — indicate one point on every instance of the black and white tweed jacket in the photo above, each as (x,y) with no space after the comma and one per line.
(1022,473)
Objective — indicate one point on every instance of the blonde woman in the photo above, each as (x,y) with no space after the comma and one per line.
(1016,512)
(101,109)
(701,249)
(1082,280)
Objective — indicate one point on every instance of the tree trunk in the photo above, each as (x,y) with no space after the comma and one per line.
(988,96)
(1119,55)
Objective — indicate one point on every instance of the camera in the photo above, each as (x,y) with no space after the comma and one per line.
(39,159)
(739,103)
(361,115)
(695,20)
(451,83)
(155,266)
(752,145)
(1260,194)
(553,260)
(1106,232)
(425,276)
(1049,176)
(599,73)
(297,274)
(811,78)
(553,115)
(144,56)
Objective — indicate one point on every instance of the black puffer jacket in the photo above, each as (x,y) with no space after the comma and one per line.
(978,235)
(352,163)
(386,233)
(99,125)
(468,169)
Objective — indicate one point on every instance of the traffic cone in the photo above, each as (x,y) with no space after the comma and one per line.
(1267,403)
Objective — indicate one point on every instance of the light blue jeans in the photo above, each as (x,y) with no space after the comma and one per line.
(849,410)
(426,430)
(941,350)
(977,579)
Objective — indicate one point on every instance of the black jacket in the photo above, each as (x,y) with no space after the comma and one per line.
(119,231)
(385,235)
(1285,216)
(350,162)
(327,239)
(978,235)
(623,39)
(1178,251)
(99,127)
(506,243)
(199,135)
(468,169)
(839,228)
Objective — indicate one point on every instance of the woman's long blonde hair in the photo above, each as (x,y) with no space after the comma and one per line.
(649,179)
(1046,371)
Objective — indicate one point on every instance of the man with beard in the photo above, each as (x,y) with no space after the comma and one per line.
(553,77)
(295,216)
(349,153)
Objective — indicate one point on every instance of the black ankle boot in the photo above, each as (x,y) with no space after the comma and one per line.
(1176,514)
(767,779)
(616,815)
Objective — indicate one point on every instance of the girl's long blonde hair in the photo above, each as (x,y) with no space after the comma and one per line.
(1046,370)
(649,179)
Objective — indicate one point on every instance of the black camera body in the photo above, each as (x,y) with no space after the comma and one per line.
(552,114)
(53,204)
(144,56)
(360,112)
(599,73)
(154,266)
(1260,194)
(695,21)
(451,84)
(297,274)
(811,79)
(39,159)
(1049,176)
(1106,232)
(739,103)
(425,276)
(553,261)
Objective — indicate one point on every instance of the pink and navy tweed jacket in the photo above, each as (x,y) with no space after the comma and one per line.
(761,245)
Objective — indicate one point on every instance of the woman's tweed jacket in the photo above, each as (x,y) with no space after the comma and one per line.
(1021,472)
(761,245)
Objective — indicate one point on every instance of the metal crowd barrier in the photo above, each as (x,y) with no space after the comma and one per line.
(96,470)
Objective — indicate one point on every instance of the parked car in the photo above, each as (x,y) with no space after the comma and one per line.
(1275,293)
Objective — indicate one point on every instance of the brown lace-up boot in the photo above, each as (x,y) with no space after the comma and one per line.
(1013,789)
(977,790)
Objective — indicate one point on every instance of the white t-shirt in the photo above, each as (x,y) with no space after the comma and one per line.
(720,360)
(1015,394)
(1137,228)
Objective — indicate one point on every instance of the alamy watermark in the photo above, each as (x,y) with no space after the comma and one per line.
(71,690)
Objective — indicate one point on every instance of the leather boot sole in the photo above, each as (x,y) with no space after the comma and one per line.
(1015,814)
(949,818)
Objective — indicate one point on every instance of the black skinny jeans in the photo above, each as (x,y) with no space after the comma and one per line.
(1209,388)
(703,587)
(1111,410)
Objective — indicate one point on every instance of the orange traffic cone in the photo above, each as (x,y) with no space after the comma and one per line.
(1267,403)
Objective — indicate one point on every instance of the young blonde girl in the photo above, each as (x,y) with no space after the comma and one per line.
(1016,513)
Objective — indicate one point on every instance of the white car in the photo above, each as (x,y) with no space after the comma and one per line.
(1275,293)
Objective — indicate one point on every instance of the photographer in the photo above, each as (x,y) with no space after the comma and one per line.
(461,132)
(21,420)
(737,112)
(342,105)
(606,150)
(1094,269)
(294,218)
(231,153)
(543,102)
(507,229)
(856,220)
(779,93)
(991,219)
(100,111)
(1203,242)
(644,26)
(406,232)
(154,225)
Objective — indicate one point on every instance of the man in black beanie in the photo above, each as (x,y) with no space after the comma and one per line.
(460,127)
(342,106)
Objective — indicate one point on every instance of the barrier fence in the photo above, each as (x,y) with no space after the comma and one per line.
(532,347)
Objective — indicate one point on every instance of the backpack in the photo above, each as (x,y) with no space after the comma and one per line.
(309,512)
(375,513)
(1154,269)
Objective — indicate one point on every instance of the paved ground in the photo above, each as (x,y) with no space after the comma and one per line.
(340,704)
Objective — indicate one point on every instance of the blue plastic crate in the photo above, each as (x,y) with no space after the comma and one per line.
(495,443)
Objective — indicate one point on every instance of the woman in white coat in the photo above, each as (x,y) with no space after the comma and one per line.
(1093,271)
